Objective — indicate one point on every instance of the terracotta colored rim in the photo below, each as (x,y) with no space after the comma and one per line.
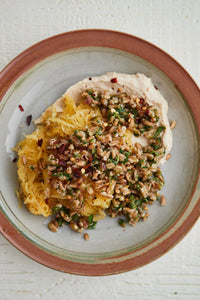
(111,39)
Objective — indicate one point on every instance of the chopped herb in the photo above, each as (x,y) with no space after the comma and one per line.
(32,168)
(155,146)
(146,127)
(132,202)
(94,151)
(99,131)
(55,209)
(91,93)
(136,132)
(137,186)
(120,113)
(90,219)
(92,224)
(122,223)
(138,202)
(63,174)
(75,218)
(60,221)
(158,139)
(114,161)
(152,162)
(127,154)
(136,177)
(158,131)
(134,112)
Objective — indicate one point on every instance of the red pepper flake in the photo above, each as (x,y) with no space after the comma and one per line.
(141,100)
(21,107)
(28,119)
(104,166)
(90,169)
(155,87)
(14,159)
(87,166)
(46,200)
(147,111)
(88,100)
(61,149)
(114,80)
(76,173)
(137,120)
(40,141)
(62,162)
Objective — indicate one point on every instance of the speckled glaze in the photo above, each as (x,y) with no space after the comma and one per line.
(35,79)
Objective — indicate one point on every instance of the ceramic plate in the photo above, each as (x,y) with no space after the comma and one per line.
(40,75)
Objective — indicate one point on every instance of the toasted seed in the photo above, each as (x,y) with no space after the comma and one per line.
(80,163)
(149,156)
(148,123)
(138,146)
(173,124)
(52,227)
(162,200)
(74,226)
(110,166)
(168,156)
(86,236)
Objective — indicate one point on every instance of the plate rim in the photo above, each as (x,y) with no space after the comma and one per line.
(164,62)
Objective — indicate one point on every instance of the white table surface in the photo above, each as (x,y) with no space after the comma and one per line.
(174,26)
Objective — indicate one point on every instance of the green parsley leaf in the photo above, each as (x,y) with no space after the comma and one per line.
(158,131)
(90,219)
(55,209)
(92,225)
